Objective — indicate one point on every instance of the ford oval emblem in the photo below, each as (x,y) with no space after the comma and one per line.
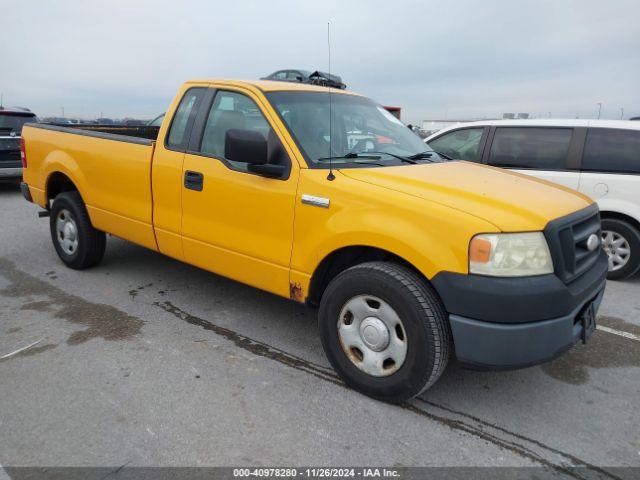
(593,242)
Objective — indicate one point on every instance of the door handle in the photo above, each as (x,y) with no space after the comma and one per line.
(193,180)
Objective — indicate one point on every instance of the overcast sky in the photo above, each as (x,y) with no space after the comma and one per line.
(435,59)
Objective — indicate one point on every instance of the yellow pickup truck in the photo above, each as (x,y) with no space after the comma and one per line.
(323,197)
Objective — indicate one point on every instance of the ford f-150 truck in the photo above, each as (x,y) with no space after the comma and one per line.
(410,260)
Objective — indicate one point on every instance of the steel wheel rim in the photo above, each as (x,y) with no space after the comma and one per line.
(66,232)
(617,248)
(372,335)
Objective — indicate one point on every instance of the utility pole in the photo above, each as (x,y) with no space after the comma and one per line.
(62,108)
(1,100)
(621,113)
(599,109)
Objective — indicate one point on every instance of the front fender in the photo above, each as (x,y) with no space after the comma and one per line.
(430,236)
(419,248)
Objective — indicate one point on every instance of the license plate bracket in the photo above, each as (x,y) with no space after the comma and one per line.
(588,320)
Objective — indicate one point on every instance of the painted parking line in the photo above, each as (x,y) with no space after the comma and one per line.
(618,332)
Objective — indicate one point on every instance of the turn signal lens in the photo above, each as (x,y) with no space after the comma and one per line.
(479,250)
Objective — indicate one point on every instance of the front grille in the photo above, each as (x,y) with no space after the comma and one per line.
(567,238)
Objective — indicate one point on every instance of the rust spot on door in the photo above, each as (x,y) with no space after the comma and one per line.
(295,292)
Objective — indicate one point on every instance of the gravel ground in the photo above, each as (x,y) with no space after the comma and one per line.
(149,362)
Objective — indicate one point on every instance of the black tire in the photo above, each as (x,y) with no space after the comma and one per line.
(91,243)
(632,236)
(423,317)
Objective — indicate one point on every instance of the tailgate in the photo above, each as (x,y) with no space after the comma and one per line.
(10,152)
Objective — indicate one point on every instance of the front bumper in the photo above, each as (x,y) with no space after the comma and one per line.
(502,323)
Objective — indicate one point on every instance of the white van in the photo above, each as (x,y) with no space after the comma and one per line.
(600,158)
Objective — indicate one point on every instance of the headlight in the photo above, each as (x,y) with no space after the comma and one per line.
(510,254)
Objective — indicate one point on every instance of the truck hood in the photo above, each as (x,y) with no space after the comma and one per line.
(510,201)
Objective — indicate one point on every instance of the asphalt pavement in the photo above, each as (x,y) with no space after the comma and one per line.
(145,361)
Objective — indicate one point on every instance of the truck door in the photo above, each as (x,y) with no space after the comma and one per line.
(234,222)
(166,177)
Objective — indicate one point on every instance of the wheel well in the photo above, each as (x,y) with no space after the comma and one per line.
(57,183)
(344,258)
(621,216)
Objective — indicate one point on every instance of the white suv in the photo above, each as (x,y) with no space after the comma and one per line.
(600,158)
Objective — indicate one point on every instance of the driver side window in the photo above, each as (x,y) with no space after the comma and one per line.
(463,144)
(231,110)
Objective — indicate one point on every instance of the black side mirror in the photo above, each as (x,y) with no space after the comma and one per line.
(271,170)
(247,146)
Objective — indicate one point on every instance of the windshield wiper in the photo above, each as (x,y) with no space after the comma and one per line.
(422,155)
(399,157)
(349,155)
(359,162)
(365,155)
(446,157)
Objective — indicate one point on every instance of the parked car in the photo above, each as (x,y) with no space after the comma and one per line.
(57,120)
(11,122)
(104,121)
(600,158)
(305,76)
(156,122)
(405,255)
(133,122)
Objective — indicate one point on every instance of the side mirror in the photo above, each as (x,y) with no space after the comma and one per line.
(247,146)
(271,170)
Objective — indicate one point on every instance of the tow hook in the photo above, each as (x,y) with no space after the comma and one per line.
(44,213)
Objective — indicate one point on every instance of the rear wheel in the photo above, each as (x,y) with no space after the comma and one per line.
(621,242)
(77,243)
(384,330)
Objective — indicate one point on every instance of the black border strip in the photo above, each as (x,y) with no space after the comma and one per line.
(91,133)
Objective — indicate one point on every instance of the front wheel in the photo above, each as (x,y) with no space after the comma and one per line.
(77,243)
(384,330)
(621,242)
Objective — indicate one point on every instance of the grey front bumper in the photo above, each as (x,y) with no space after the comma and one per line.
(488,345)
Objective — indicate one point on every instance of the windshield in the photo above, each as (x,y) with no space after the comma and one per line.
(14,123)
(359,128)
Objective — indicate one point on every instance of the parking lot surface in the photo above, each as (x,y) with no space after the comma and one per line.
(147,361)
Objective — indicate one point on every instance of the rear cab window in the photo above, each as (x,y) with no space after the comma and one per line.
(182,122)
(536,148)
(462,144)
(611,150)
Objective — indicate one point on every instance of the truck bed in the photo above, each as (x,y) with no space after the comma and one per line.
(136,134)
(112,172)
